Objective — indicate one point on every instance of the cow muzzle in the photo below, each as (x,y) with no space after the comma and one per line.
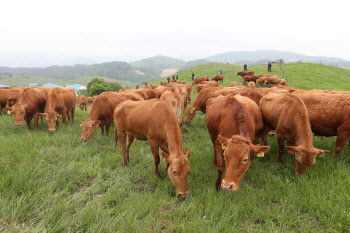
(83,139)
(52,130)
(229,186)
(19,123)
(182,194)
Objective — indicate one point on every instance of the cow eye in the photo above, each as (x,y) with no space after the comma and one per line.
(174,172)
(245,160)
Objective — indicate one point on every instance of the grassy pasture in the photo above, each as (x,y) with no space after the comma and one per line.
(54,182)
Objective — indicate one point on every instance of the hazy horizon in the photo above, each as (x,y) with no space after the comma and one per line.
(42,33)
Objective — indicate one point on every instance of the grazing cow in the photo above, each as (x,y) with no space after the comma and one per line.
(232,123)
(251,85)
(29,104)
(137,91)
(101,113)
(234,84)
(200,87)
(151,94)
(82,102)
(218,77)
(261,80)
(177,102)
(272,80)
(287,114)
(182,90)
(248,78)
(89,100)
(200,79)
(59,101)
(283,82)
(244,73)
(329,115)
(154,120)
(5,92)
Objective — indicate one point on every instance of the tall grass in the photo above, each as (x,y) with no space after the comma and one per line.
(54,182)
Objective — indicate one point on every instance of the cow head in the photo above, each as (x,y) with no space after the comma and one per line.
(88,129)
(191,113)
(11,101)
(178,169)
(51,119)
(237,159)
(19,113)
(304,158)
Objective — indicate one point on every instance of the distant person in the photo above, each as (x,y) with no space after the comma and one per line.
(192,76)
(221,71)
(137,86)
(269,67)
(145,83)
(245,67)
(168,80)
(177,77)
(161,83)
(173,77)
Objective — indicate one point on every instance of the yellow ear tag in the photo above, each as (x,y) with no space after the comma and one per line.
(223,146)
(8,112)
(196,111)
(260,154)
(164,159)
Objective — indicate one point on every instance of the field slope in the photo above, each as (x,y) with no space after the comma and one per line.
(54,182)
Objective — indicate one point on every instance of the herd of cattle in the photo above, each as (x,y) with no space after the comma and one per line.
(237,118)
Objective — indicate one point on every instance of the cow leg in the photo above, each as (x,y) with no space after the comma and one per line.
(339,144)
(220,164)
(102,126)
(155,152)
(122,138)
(129,141)
(280,140)
(72,114)
(1,113)
(64,115)
(108,126)
(28,123)
(57,123)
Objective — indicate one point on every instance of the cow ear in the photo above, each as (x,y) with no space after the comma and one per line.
(223,141)
(293,149)
(42,114)
(165,157)
(25,106)
(258,151)
(321,152)
(98,122)
(187,153)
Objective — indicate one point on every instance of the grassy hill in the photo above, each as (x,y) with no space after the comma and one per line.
(162,62)
(298,75)
(54,182)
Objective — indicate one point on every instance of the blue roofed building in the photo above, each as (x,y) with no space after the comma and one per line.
(51,85)
(33,84)
(3,85)
(77,87)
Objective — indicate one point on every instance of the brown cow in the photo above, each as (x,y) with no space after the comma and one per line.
(272,80)
(232,123)
(200,79)
(137,91)
(177,102)
(183,82)
(151,94)
(233,84)
(329,115)
(29,104)
(283,82)
(101,113)
(82,102)
(182,90)
(154,120)
(59,101)
(248,78)
(5,93)
(161,89)
(287,114)
(200,87)
(251,85)
(89,100)
(244,73)
(218,77)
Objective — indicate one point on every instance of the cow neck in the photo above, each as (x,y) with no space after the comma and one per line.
(50,103)
(94,113)
(303,135)
(234,121)
(27,98)
(174,138)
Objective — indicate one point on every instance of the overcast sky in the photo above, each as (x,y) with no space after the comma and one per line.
(35,31)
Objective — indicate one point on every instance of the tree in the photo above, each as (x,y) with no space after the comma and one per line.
(98,85)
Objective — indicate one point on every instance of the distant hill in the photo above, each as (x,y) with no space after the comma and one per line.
(263,56)
(161,62)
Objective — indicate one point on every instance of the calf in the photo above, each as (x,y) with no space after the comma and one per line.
(249,78)
(232,123)
(251,85)
(82,102)
(218,77)
(101,113)
(29,104)
(287,114)
(154,120)
(243,73)
(200,79)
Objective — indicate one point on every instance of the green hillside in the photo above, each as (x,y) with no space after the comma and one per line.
(161,62)
(298,75)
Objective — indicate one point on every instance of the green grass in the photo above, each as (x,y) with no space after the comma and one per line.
(54,182)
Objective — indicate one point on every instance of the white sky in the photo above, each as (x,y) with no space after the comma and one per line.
(129,30)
